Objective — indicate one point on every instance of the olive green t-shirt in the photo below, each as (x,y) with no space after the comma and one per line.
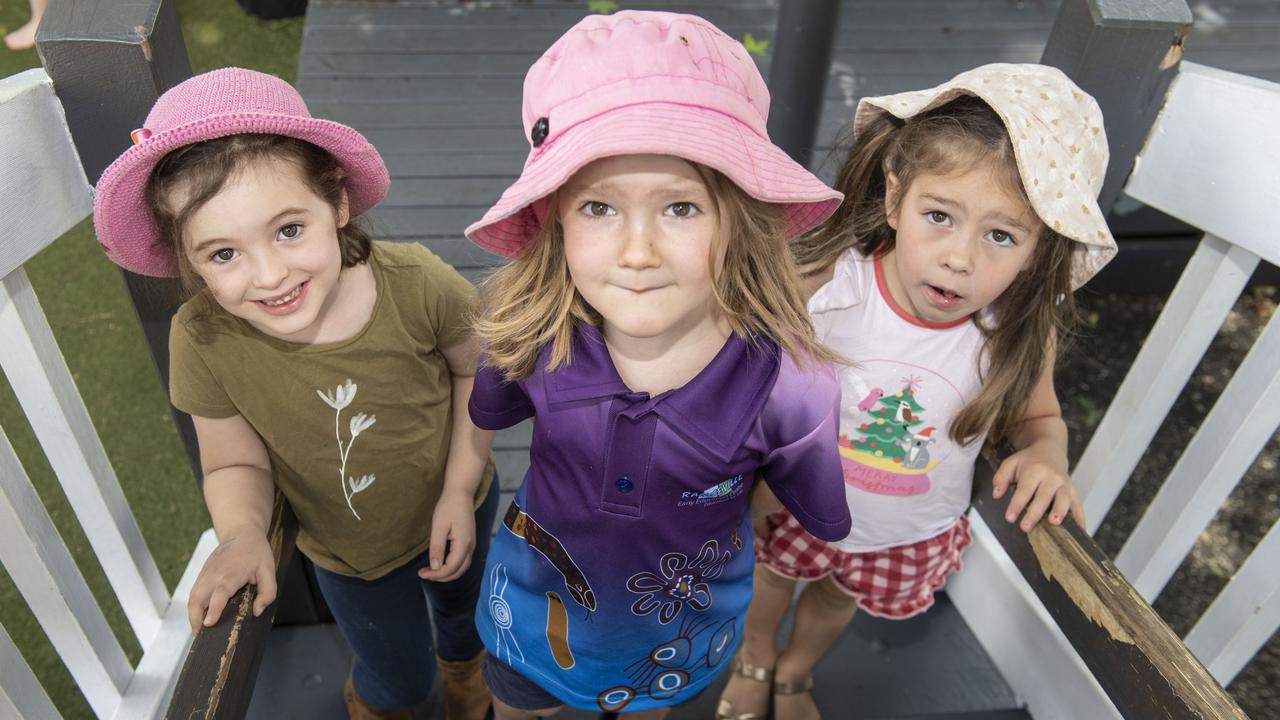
(357,431)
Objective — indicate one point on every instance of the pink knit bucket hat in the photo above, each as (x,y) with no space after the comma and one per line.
(230,101)
(648,83)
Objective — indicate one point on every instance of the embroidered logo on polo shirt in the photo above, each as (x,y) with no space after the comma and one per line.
(718,493)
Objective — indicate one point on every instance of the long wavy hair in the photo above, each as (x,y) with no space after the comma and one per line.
(203,168)
(531,301)
(1032,319)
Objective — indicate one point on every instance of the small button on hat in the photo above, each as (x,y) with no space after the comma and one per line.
(539,132)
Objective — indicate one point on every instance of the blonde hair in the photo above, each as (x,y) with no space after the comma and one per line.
(1032,318)
(531,301)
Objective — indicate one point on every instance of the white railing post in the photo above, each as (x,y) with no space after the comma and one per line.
(1243,616)
(44,572)
(21,695)
(1229,439)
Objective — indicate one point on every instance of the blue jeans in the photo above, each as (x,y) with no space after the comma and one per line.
(388,621)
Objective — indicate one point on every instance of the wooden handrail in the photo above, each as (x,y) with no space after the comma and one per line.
(1139,661)
(221,668)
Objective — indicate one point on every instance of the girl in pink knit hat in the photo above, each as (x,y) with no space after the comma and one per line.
(651,321)
(971,216)
(319,364)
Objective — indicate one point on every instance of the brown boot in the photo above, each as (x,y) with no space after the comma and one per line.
(358,709)
(466,697)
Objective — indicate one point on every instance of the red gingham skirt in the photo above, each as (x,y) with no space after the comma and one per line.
(894,583)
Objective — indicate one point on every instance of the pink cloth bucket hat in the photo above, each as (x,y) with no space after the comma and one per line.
(230,101)
(648,83)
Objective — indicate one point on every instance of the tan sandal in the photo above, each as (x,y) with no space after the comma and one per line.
(784,687)
(792,687)
(742,668)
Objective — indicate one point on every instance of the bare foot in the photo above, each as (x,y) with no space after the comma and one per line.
(744,696)
(24,37)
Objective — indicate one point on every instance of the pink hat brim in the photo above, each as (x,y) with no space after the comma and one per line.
(123,222)
(693,133)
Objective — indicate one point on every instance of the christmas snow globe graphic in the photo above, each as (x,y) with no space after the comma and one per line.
(887,445)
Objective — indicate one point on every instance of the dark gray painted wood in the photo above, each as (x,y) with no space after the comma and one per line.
(399,222)
(803,36)
(430,192)
(877,670)
(109,63)
(426,138)
(411,162)
(1124,54)
(533,16)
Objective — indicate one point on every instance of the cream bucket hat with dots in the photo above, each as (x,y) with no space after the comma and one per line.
(1058,143)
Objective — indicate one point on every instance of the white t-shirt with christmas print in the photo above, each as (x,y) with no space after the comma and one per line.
(905,480)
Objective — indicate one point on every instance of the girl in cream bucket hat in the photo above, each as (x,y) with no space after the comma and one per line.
(970,216)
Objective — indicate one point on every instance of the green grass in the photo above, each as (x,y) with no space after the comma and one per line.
(84,298)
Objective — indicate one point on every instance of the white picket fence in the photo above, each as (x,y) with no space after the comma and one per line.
(1212,160)
(43,193)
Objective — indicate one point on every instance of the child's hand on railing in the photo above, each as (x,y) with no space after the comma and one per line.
(243,557)
(1043,485)
(453,529)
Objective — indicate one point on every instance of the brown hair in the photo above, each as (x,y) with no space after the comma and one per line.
(204,168)
(1032,318)
(532,301)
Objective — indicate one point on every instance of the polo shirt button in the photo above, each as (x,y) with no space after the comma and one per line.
(625,485)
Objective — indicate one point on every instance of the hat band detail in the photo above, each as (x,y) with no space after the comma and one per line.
(665,89)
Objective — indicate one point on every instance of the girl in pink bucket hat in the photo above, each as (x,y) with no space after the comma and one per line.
(971,216)
(651,320)
(309,349)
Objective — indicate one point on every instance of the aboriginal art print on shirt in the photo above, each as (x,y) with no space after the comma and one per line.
(575,581)
(893,426)
(342,397)
(678,582)
(507,649)
(699,645)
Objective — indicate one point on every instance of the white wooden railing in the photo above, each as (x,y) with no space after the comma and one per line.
(43,193)
(1212,159)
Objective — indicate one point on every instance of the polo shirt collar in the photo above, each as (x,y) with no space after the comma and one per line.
(715,410)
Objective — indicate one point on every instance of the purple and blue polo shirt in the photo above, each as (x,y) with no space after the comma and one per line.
(622,573)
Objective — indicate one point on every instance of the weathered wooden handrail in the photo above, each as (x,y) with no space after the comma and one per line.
(1139,661)
(218,676)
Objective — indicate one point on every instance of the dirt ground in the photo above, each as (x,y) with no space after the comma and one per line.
(1087,380)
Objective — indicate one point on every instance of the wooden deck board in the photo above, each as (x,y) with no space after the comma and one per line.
(428,81)
(863,675)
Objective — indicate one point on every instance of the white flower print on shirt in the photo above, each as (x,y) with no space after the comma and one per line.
(339,400)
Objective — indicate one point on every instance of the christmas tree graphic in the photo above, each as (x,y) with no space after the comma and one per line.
(888,433)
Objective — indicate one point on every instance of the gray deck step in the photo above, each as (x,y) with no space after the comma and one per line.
(877,670)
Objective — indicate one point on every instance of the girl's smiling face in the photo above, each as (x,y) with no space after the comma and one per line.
(639,235)
(267,248)
(961,240)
